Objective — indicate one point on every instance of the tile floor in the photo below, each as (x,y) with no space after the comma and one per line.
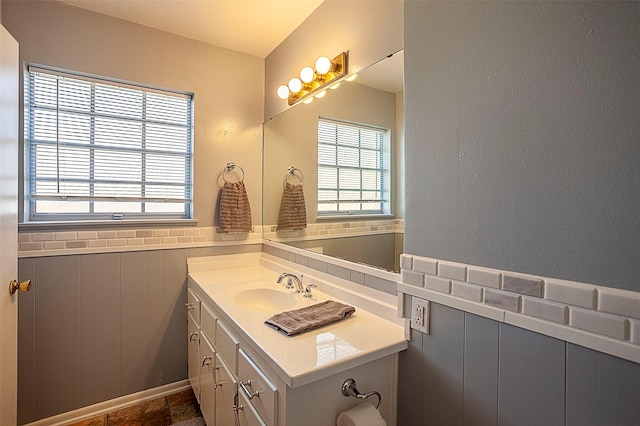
(176,409)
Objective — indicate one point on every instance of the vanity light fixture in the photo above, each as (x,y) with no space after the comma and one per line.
(295,85)
(314,81)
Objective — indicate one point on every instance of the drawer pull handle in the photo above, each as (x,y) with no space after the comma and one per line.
(206,360)
(250,395)
(214,370)
(192,335)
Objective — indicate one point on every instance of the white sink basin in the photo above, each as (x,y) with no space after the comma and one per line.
(265,299)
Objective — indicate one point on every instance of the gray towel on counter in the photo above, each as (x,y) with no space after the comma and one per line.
(309,318)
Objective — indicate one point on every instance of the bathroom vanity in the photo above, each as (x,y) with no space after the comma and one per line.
(244,371)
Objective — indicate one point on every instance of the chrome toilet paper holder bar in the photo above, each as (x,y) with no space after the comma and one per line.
(349,389)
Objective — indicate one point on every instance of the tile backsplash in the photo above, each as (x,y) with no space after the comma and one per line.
(31,244)
(350,228)
(603,318)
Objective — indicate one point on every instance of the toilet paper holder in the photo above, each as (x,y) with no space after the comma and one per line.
(349,389)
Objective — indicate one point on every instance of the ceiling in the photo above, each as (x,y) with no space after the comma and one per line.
(255,27)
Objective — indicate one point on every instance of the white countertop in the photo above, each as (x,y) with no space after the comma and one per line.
(307,357)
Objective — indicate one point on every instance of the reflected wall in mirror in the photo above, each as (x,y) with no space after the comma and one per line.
(374,97)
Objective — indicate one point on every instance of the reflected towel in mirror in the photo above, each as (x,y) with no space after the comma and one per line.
(293,213)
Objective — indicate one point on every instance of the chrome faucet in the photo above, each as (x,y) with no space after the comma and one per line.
(291,279)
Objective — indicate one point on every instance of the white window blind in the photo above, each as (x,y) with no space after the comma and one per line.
(351,169)
(99,149)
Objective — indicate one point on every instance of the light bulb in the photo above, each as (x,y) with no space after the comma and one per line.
(283,92)
(323,65)
(307,74)
(295,85)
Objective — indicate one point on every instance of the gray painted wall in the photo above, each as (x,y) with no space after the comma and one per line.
(99,326)
(522,154)
(522,137)
(475,371)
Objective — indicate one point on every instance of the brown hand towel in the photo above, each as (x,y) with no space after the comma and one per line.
(235,212)
(309,318)
(293,213)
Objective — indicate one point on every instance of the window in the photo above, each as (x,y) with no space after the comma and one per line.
(98,149)
(353,169)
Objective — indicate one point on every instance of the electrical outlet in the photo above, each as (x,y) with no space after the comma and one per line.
(420,314)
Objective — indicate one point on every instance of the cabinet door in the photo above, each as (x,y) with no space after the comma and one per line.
(255,385)
(247,415)
(226,391)
(193,354)
(207,380)
(193,305)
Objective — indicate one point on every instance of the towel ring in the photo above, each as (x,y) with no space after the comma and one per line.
(291,171)
(230,167)
(349,389)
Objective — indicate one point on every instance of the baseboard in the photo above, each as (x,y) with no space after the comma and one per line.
(112,405)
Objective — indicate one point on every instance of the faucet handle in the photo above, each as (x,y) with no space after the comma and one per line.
(307,291)
(289,285)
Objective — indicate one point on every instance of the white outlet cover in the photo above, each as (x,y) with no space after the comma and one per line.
(417,323)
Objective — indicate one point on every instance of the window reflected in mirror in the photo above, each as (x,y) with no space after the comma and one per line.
(349,146)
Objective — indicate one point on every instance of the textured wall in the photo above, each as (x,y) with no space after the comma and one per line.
(227,85)
(522,136)
(522,154)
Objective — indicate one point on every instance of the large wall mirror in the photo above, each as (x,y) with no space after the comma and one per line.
(370,99)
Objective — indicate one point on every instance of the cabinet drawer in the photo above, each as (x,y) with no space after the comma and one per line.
(257,388)
(227,346)
(208,324)
(193,305)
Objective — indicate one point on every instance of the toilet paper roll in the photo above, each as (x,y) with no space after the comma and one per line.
(363,414)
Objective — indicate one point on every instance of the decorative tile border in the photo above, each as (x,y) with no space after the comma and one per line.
(364,275)
(32,244)
(321,230)
(603,318)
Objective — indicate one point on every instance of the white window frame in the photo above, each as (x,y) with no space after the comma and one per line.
(382,202)
(177,151)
